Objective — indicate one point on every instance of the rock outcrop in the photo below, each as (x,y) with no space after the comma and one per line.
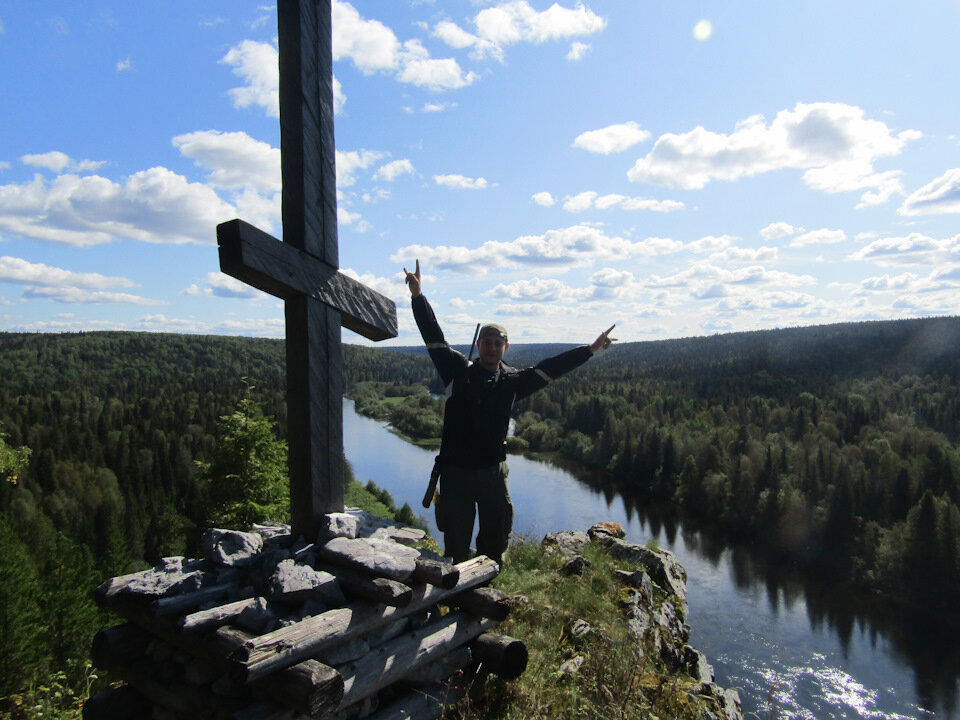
(655,607)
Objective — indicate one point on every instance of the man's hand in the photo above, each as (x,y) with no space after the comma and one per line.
(603,341)
(413,280)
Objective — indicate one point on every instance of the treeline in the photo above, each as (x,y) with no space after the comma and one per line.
(832,446)
(110,446)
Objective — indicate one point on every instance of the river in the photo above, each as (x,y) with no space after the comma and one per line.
(793,649)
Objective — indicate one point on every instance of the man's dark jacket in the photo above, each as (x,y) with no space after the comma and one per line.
(479,402)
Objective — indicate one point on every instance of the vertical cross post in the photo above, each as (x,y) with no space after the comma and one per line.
(303,268)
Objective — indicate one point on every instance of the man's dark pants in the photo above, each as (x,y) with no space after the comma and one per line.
(465,492)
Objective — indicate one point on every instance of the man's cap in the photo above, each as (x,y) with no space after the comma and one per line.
(493,329)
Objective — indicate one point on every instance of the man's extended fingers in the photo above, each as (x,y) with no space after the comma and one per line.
(607,331)
(418,267)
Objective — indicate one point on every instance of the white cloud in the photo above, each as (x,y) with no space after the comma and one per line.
(461,181)
(125,64)
(392,170)
(885,283)
(833,142)
(57,161)
(555,250)
(579,202)
(154,205)
(535,290)
(776,230)
(939,196)
(81,295)
(823,236)
(393,287)
(577,51)
(339,99)
(350,163)
(220,285)
(710,244)
(588,199)
(4,165)
(739,254)
(256,63)
(914,249)
(432,107)
(543,199)
(703,277)
(611,139)
(18,270)
(235,159)
(514,22)
(373,47)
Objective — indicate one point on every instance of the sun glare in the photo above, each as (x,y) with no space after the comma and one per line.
(703,30)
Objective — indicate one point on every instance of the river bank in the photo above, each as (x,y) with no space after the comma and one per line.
(791,648)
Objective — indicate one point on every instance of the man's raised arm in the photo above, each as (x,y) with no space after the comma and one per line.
(447,360)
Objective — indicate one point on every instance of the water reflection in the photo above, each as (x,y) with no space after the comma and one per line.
(795,648)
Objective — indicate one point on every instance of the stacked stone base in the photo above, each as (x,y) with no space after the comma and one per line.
(356,624)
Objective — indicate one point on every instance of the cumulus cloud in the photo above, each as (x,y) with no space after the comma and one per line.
(885,283)
(256,63)
(740,254)
(555,250)
(65,286)
(535,290)
(392,170)
(710,243)
(703,277)
(350,163)
(543,199)
(834,143)
(913,249)
(234,159)
(939,196)
(577,51)
(57,161)
(776,230)
(823,236)
(611,139)
(590,199)
(506,24)
(125,64)
(155,205)
(461,181)
(373,47)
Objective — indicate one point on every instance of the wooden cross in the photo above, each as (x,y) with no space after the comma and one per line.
(303,268)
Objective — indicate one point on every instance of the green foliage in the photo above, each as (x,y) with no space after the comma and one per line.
(247,478)
(13,461)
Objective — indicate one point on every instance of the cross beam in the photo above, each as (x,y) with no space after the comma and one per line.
(303,268)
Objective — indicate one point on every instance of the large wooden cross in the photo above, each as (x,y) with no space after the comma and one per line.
(303,268)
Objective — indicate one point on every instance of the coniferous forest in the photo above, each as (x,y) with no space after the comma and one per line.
(836,447)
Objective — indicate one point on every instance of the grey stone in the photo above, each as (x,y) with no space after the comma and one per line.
(231,547)
(570,667)
(568,542)
(575,565)
(731,705)
(609,528)
(338,525)
(400,534)
(293,583)
(662,565)
(639,579)
(258,618)
(155,584)
(380,557)
(699,669)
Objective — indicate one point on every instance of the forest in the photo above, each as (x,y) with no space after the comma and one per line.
(835,447)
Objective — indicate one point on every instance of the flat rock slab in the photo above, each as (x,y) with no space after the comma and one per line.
(231,548)
(568,542)
(662,565)
(383,558)
(293,583)
(338,525)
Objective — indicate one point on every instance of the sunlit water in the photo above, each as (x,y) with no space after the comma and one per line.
(793,650)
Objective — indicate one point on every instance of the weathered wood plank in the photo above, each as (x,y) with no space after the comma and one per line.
(179,604)
(287,646)
(375,589)
(278,268)
(485,601)
(310,687)
(390,662)
(214,617)
(436,572)
(502,655)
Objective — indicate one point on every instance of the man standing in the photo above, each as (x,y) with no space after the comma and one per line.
(479,398)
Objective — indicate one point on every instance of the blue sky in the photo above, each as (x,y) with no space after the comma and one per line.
(677,168)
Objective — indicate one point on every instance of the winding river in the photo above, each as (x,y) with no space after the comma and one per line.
(794,650)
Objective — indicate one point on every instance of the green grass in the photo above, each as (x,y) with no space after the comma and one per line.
(618,679)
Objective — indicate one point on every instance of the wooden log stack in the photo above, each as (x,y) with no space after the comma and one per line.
(358,624)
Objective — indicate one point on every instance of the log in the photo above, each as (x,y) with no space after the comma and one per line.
(118,645)
(435,572)
(376,589)
(421,705)
(310,688)
(504,656)
(441,669)
(214,617)
(390,662)
(177,604)
(486,602)
(122,703)
(261,656)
